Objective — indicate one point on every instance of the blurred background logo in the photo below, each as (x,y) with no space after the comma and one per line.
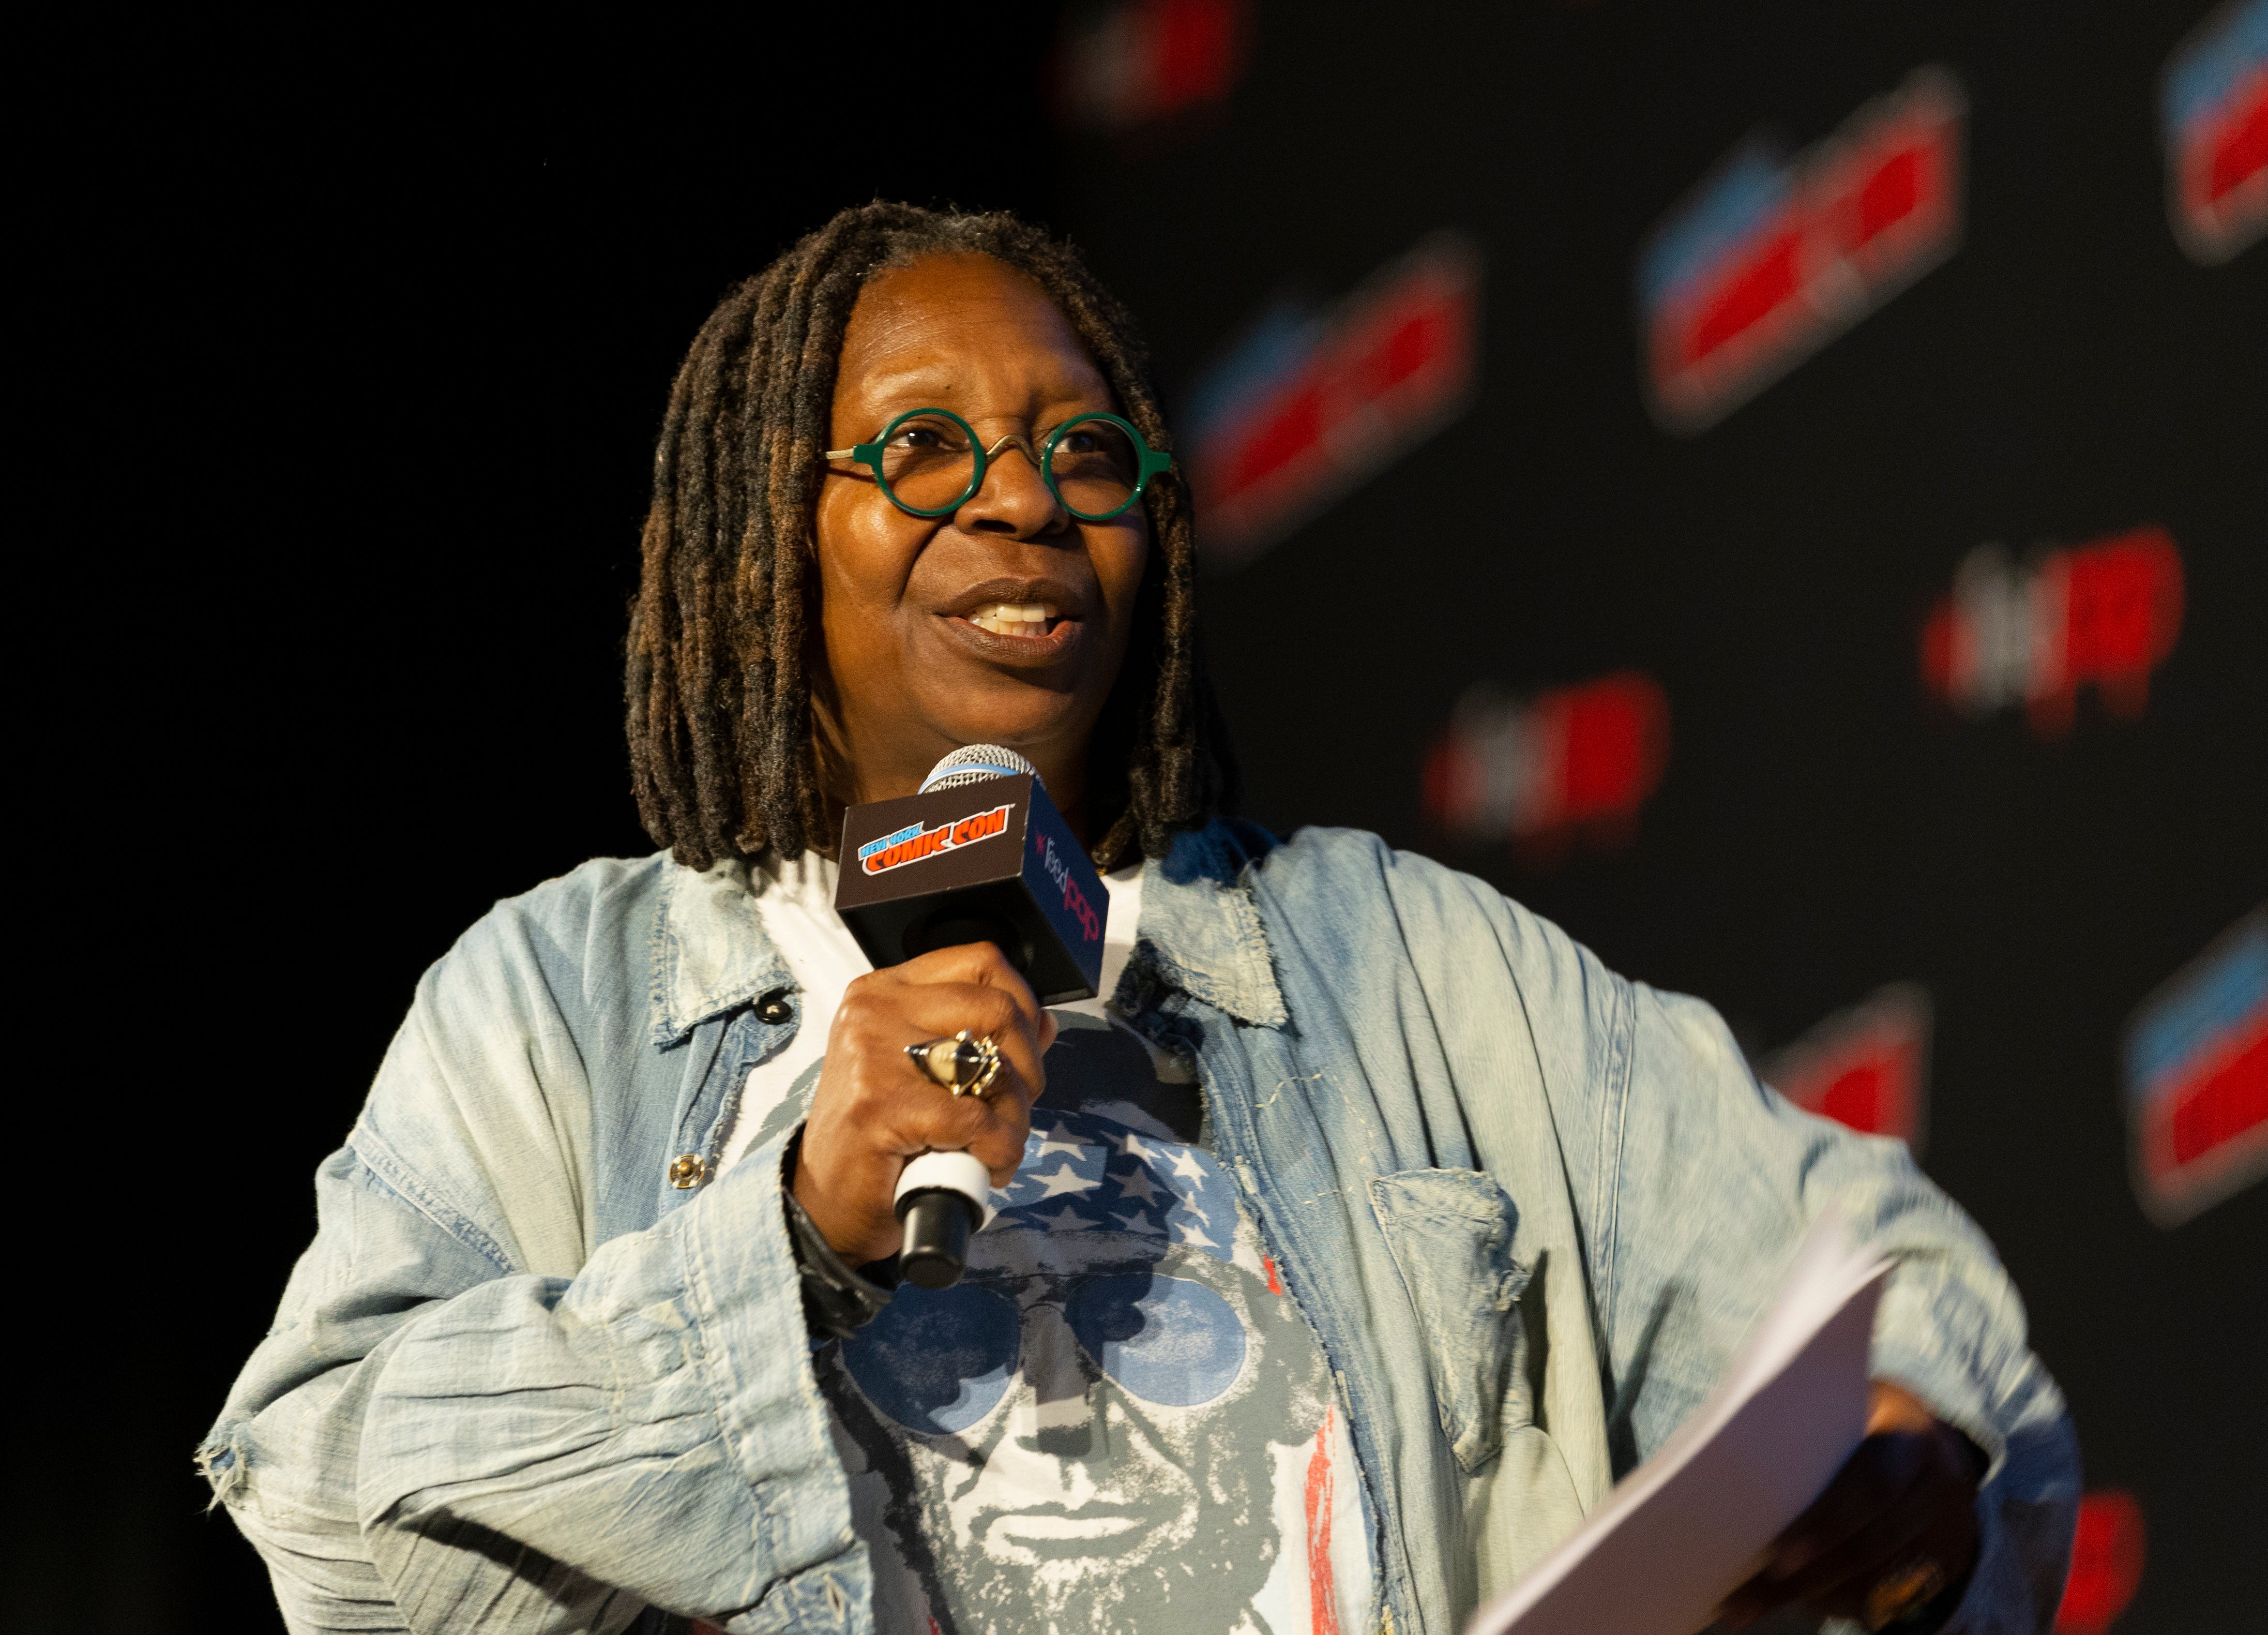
(2197,1077)
(2105,613)
(1866,1067)
(2106,1563)
(2213,100)
(1569,762)
(1306,404)
(1146,64)
(1768,259)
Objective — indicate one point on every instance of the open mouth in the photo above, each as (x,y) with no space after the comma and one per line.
(1010,618)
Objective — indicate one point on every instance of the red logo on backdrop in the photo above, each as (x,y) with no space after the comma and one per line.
(2106,1563)
(1145,63)
(1573,761)
(2197,1077)
(1306,406)
(2213,103)
(2105,613)
(1866,1067)
(1769,259)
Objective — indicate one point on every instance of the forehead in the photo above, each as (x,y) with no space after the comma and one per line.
(962,324)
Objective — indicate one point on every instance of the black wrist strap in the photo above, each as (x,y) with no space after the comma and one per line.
(837,1300)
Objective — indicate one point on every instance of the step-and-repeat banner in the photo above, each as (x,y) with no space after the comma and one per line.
(1783,490)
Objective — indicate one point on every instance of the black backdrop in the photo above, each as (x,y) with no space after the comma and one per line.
(384,326)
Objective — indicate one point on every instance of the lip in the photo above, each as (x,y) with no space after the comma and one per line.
(1068,602)
(1052,1533)
(1070,625)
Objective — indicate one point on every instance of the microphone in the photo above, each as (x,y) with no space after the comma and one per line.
(980,854)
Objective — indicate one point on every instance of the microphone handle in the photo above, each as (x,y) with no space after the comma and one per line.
(941,1198)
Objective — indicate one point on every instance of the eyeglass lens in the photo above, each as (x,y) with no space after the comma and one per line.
(928,463)
(1093,468)
(939,1361)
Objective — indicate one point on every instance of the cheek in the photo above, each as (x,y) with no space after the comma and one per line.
(865,549)
(1119,555)
(854,553)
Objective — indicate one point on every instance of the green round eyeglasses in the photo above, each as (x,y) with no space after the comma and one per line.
(930,462)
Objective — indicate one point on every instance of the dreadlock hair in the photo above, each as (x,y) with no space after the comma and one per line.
(725,627)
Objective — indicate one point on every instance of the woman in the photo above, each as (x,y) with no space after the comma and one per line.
(1345,1257)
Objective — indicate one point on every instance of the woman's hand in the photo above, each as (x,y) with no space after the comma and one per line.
(1903,1508)
(875,1108)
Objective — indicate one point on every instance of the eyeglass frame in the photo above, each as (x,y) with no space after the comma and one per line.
(1152,461)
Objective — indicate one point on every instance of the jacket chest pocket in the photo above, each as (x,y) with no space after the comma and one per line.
(1450,1233)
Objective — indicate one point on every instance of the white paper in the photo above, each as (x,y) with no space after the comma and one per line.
(1687,1526)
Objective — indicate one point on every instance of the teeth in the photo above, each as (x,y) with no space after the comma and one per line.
(1009,618)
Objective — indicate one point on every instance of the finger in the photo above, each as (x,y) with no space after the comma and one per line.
(1882,1470)
(1001,1146)
(915,1113)
(1942,1533)
(994,1135)
(978,962)
(1861,1491)
(946,1007)
(940,1010)
(1841,1577)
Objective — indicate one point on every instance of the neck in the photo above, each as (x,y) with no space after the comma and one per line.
(858,776)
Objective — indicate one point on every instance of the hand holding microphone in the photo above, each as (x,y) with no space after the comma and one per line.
(965,896)
(875,1109)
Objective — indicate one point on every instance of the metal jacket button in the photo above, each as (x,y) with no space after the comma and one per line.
(774,1007)
(688,1170)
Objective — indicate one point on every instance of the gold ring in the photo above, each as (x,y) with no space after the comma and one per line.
(966,1063)
(1904,1591)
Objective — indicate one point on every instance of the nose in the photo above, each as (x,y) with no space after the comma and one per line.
(1058,1419)
(1014,499)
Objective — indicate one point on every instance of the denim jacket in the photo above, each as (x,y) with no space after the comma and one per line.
(523,1380)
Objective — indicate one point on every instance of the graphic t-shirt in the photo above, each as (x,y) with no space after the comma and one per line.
(1118,1419)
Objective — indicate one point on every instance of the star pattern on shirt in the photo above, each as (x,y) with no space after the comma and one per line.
(1135,1184)
(1058,1140)
(1065,1179)
(1086,1173)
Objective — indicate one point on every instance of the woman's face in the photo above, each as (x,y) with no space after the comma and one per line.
(913,674)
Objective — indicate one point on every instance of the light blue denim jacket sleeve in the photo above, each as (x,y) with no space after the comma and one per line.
(1452,1106)
(520,1381)
(485,1404)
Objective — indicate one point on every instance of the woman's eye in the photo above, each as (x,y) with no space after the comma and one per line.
(915,436)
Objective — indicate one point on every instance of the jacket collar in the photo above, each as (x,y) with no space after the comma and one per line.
(1200,932)
(710,950)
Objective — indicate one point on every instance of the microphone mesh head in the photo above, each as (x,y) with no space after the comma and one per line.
(975,764)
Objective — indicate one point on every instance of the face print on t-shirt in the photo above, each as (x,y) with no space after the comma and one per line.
(1094,1429)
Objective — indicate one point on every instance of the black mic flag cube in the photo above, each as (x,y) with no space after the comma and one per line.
(992,861)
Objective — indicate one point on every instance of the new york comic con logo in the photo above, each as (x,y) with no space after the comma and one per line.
(913,843)
(1769,258)
(2213,106)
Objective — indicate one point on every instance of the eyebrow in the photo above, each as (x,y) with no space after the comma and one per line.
(937,380)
